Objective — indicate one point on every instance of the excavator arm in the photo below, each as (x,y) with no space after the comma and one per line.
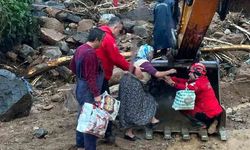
(195,20)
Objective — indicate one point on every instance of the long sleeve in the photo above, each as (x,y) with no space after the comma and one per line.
(115,56)
(90,72)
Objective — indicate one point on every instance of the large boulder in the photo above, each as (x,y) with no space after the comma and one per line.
(15,97)
(52,23)
(51,36)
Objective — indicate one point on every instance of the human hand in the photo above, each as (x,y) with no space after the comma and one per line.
(169,81)
(97,98)
(138,73)
(172,71)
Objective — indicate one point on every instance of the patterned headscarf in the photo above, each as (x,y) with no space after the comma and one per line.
(144,51)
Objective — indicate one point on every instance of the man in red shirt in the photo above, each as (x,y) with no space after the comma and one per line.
(207,108)
(110,56)
(88,70)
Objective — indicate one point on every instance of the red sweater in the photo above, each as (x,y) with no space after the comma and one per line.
(206,101)
(109,54)
(89,67)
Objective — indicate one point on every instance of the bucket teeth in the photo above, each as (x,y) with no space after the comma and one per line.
(167,133)
(203,134)
(223,134)
(185,134)
(148,133)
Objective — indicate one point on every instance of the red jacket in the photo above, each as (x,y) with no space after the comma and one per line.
(109,54)
(206,101)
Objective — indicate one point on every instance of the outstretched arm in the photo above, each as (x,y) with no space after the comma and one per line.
(160,74)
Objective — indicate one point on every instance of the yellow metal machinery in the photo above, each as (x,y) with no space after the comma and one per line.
(195,19)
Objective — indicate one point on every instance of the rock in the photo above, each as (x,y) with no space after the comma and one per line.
(128,25)
(52,52)
(218,35)
(229,111)
(15,97)
(52,23)
(85,25)
(81,37)
(56,98)
(55,4)
(227,31)
(71,52)
(140,13)
(69,31)
(140,31)
(11,55)
(73,25)
(48,107)
(233,38)
(52,11)
(26,50)
(51,36)
(246,26)
(64,72)
(243,72)
(67,17)
(63,46)
(54,73)
(40,133)
(70,40)
(69,97)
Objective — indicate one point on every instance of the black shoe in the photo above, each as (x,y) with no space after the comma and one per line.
(131,138)
(110,139)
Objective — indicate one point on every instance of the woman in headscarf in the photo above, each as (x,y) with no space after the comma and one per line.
(138,106)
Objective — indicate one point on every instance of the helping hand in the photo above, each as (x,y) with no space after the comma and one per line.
(138,73)
(172,71)
(169,81)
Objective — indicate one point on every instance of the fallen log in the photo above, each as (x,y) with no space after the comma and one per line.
(40,68)
(226,48)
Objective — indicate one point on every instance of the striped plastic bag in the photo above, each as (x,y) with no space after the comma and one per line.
(184,100)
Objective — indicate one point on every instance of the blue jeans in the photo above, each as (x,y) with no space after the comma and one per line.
(84,140)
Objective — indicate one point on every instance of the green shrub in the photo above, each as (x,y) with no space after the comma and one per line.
(16,22)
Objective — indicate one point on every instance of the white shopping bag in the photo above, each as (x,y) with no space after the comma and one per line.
(93,120)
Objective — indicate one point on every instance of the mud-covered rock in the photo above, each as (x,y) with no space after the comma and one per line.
(51,36)
(26,51)
(85,25)
(15,97)
(52,23)
(80,37)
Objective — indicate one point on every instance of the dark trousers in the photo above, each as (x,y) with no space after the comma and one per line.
(87,141)
(105,87)
(203,118)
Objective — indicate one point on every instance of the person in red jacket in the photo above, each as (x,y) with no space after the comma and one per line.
(207,108)
(110,56)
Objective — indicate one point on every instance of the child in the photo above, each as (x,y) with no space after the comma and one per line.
(207,108)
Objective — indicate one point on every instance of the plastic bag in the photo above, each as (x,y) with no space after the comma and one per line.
(93,120)
(110,105)
(184,100)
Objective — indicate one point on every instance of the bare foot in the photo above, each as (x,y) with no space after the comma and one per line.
(154,120)
(213,127)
